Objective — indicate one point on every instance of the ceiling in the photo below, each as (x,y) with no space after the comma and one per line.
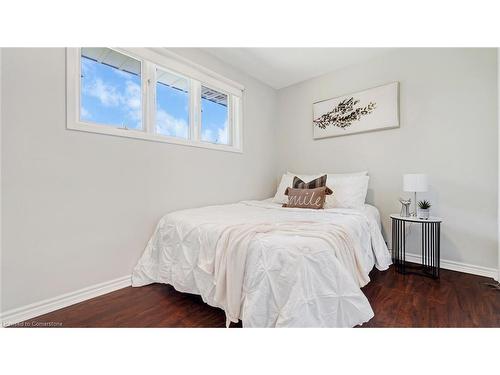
(281,67)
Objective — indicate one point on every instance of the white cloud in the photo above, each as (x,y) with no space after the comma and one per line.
(220,136)
(108,95)
(169,125)
(208,135)
(133,94)
(222,132)
(84,113)
(132,99)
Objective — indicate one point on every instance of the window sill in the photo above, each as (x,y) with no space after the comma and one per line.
(137,134)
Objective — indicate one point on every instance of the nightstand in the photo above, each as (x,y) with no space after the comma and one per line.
(431,233)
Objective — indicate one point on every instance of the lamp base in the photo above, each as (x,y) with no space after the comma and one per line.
(414,213)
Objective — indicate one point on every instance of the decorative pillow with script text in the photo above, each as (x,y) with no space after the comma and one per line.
(306,198)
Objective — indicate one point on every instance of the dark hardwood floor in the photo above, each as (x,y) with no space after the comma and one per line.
(456,300)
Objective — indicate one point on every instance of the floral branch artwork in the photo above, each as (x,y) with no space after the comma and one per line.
(368,110)
(344,114)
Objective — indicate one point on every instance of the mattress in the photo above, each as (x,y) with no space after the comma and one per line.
(288,281)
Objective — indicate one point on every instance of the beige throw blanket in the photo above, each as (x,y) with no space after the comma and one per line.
(227,265)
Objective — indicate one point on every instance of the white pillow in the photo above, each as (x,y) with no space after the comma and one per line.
(334,175)
(280,196)
(348,192)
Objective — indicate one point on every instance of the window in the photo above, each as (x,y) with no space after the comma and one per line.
(110,88)
(153,95)
(214,116)
(172,104)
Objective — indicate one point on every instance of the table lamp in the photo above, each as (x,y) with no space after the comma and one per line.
(415,183)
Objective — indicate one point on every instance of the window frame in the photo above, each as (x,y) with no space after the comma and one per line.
(152,59)
(229,113)
(78,70)
(154,101)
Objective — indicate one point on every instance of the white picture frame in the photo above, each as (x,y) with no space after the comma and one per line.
(373,109)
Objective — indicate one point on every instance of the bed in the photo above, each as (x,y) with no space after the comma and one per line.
(267,265)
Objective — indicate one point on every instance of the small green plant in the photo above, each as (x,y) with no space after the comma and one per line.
(424,205)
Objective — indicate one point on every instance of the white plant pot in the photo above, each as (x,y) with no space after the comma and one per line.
(423,214)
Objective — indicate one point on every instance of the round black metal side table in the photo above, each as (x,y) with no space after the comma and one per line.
(431,233)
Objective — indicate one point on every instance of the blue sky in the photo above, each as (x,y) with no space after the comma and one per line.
(172,111)
(213,122)
(110,96)
(113,97)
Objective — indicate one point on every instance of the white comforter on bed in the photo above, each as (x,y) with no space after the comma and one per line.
(288,279)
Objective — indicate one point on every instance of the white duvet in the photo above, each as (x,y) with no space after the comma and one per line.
(286,278)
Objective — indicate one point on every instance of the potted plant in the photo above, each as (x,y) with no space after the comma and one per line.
(423,209)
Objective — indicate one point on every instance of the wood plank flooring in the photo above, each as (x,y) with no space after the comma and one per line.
(456,300)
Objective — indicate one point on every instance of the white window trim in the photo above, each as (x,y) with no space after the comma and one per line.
(150,59)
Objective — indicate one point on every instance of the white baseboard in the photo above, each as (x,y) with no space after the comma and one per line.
(458,266)
(43,307)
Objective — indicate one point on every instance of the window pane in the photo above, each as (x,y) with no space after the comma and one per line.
(214,116)
(172,105)
(110,88)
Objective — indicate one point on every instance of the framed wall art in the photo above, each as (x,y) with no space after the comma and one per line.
(373,109)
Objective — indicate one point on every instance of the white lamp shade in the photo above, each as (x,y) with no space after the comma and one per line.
(415,182)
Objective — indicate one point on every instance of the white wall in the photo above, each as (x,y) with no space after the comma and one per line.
(448,130)
(80,207)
